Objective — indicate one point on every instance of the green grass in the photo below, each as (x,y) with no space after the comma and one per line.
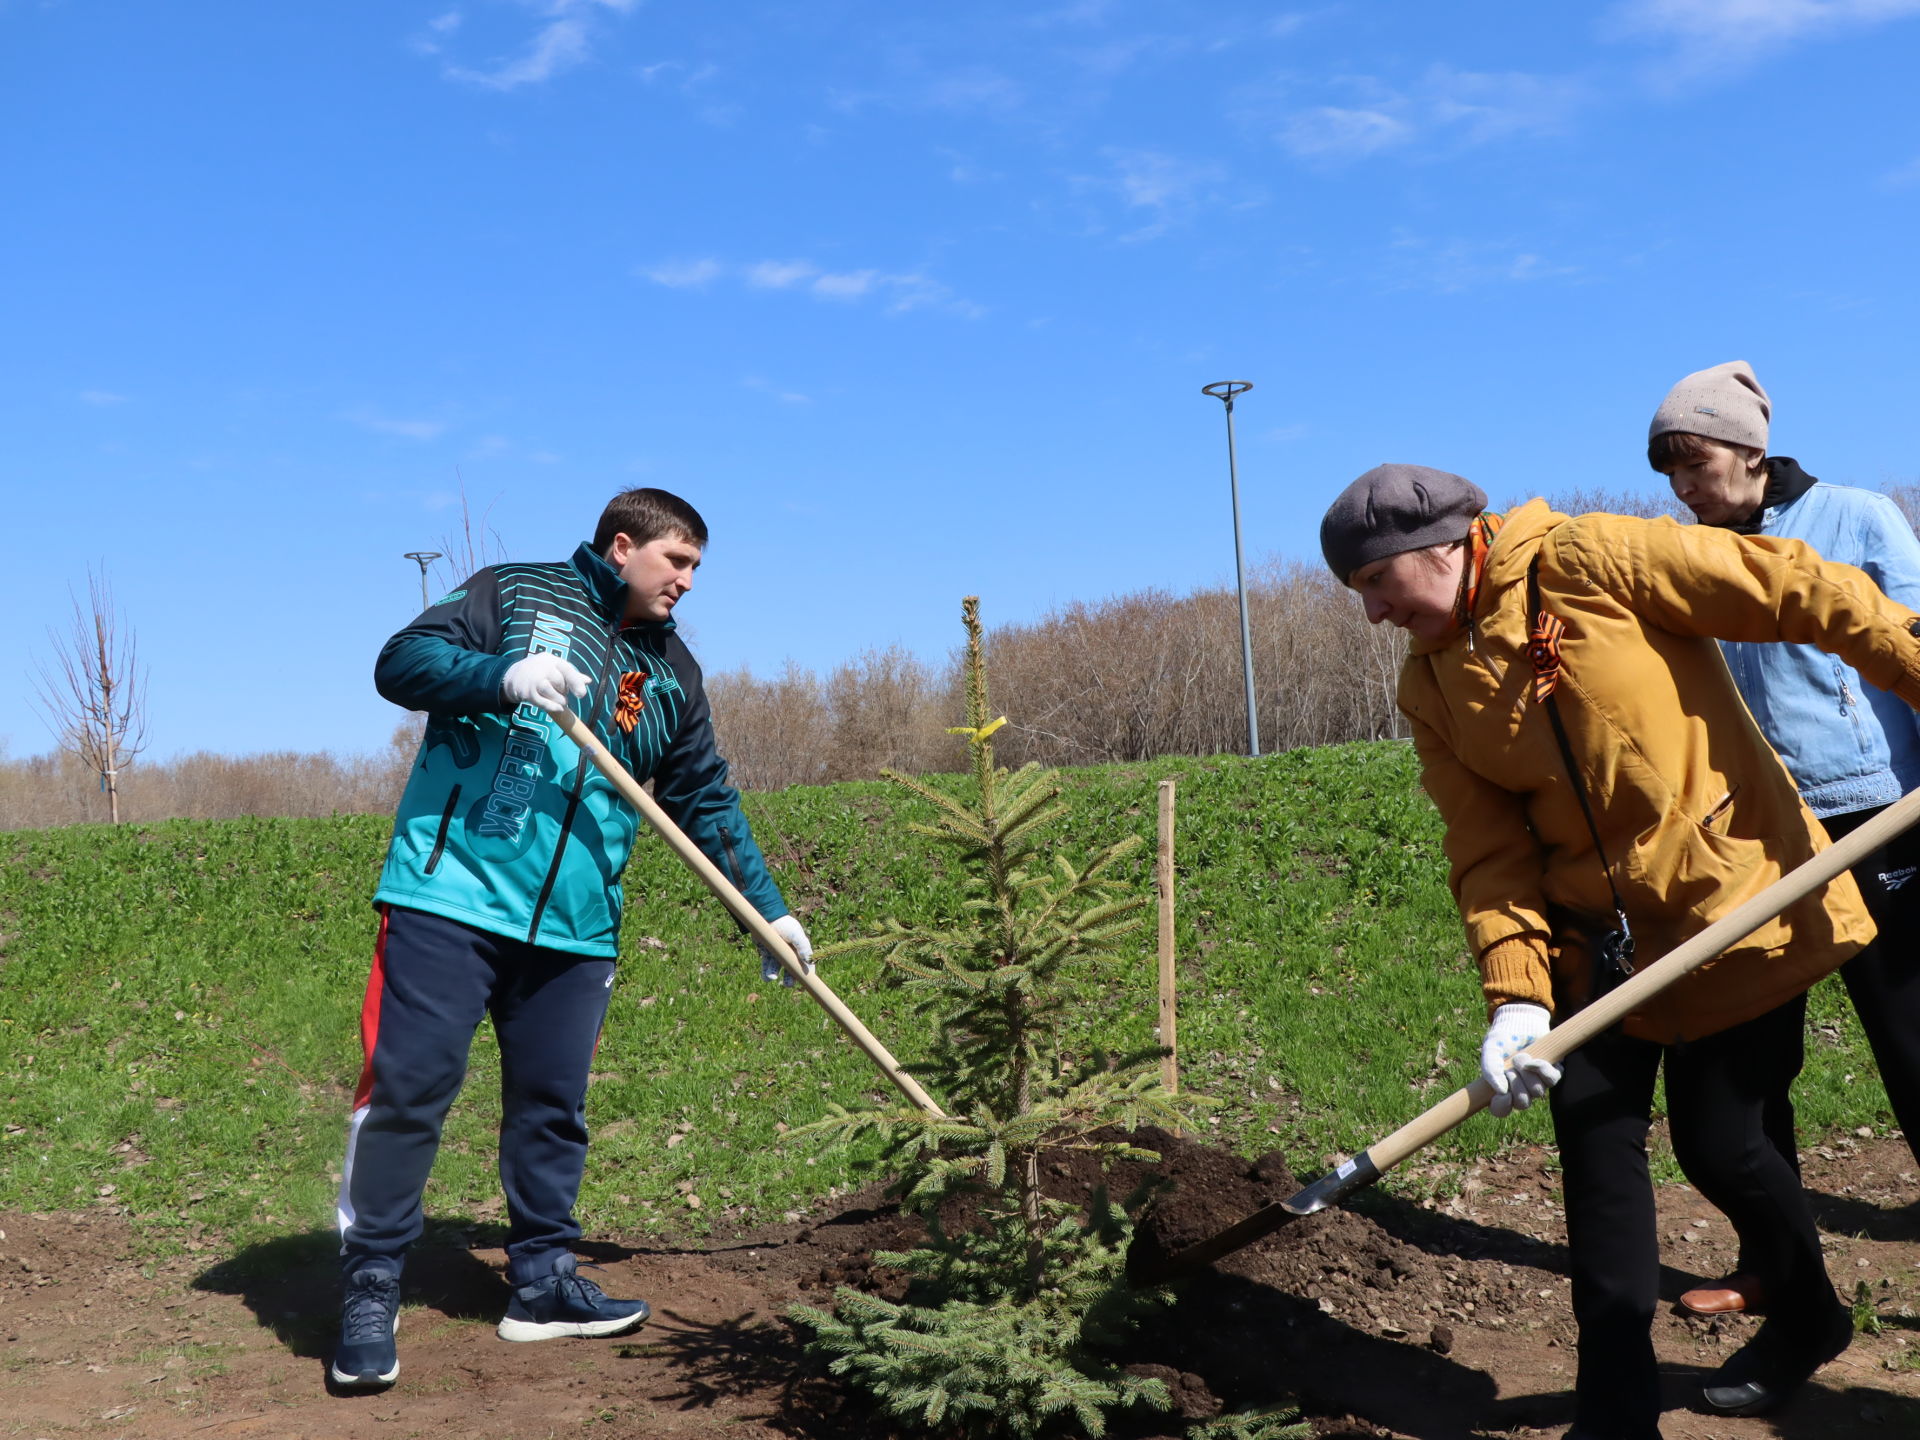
(178,1003)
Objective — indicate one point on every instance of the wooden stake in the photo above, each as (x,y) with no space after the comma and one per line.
(1169,1018)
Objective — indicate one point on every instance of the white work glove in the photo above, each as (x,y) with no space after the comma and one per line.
(788,929)
(1515,1027)
(543,680)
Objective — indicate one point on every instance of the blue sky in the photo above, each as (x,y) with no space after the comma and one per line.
(912,301)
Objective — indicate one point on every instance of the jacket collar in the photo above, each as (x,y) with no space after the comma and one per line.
(1786,483)
(1513,549)
(608,591)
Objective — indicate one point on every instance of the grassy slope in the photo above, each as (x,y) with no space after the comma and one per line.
(178,1004)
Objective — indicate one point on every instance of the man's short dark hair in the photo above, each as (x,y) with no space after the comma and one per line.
(645,514)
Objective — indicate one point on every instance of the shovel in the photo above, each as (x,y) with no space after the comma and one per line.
(1373,1162)
(744,912)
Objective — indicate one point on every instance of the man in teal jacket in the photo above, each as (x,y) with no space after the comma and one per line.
(501,898)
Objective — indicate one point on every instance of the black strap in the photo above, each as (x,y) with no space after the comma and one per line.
(1536,610)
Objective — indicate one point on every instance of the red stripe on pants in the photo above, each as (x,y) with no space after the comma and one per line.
(370,1015)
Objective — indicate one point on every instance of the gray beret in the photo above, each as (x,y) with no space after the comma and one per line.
(1395,508)
(1725,403)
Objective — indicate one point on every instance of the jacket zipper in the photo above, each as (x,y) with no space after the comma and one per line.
(559,851)
(440,837)
(733,860)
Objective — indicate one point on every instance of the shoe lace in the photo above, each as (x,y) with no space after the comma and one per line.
(368,1312)
(580,1288)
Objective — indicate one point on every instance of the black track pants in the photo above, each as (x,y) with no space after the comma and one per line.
(1717,1093)
(432,983)
(1884,979)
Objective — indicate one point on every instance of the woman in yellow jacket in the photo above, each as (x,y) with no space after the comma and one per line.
(1539,640)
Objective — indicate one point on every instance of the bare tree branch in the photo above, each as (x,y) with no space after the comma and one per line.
(474,545)
(93,692)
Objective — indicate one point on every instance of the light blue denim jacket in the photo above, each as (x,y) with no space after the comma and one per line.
(1847,745)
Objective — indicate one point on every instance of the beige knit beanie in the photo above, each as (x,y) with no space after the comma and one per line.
(1724,403)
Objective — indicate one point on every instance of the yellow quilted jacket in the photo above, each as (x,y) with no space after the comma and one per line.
(1695,811)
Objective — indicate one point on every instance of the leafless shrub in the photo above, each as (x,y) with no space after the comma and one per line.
(473,544)
(774,733)
(1157,674)
(1905,494)
(885,709)
(1648,505)
(890,711)
(93,691)
(60,789)
(1128,678)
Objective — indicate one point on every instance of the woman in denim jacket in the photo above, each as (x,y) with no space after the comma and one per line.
(1851,749)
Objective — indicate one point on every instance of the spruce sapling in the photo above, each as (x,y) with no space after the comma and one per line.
(1008,1319)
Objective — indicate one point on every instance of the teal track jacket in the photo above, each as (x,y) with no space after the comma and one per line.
(505,824)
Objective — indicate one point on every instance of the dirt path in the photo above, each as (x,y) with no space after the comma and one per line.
(1389,1321)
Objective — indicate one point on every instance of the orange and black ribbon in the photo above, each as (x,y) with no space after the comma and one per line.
(633,698)
(1543,649)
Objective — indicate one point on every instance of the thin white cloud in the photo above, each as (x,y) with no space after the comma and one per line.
(101,397)
(850,285)
(965,90)
(779,274)
(1902,177)
(899,290)
(1450,266)
(767,387)
(1332,132)
(445,24)
(406,429)
(1167,190)
(563,41)
(1443,107)
(683,274)
(1726,34)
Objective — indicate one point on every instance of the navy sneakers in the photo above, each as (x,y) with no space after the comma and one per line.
(366,1359)
(564,1303)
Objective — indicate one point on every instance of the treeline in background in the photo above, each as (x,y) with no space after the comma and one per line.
(1129,678)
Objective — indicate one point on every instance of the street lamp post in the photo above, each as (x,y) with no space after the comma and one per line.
(1224,391)
(423,558)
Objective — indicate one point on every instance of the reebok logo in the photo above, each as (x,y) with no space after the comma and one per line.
(1894,879)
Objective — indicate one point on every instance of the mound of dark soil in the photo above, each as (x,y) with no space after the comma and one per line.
(1383,1320)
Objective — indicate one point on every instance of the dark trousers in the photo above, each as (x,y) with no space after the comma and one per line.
(432,983)
(1883,982)
(1717,1094)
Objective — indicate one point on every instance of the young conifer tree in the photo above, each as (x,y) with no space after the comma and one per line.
(1008,1319)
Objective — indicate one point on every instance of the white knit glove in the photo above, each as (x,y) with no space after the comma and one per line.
(543,680)
(788,929)
(1515,1027)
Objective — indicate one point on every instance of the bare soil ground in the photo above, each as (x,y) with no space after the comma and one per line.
(1383,1320)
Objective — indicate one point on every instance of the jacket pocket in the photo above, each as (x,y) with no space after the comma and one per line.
(440,836)
(1687,876)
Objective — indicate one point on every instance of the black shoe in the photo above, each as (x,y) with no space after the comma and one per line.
(1765,1371)
(367,1359)
(563,1303)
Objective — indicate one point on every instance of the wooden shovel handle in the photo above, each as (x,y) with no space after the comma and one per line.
(576,730)
(1723,934)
